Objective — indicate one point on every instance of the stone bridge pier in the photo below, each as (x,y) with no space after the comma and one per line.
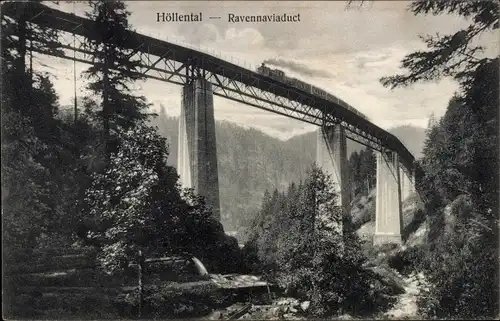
(407,182)
(197,154)
(197,163)
(331,157)
(394,184)
(388,209)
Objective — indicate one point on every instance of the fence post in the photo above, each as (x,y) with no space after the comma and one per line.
(141,279)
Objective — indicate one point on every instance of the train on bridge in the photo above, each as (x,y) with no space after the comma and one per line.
(280,75)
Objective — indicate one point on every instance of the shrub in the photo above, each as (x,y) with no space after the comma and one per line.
(407,260)
(351,289)
(173,301)
(464,286)
(462,268)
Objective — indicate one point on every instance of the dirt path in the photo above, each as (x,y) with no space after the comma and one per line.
(406,306)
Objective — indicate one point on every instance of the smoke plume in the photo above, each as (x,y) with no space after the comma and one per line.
(299,68)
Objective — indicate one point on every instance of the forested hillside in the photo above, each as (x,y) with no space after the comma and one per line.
(250,162)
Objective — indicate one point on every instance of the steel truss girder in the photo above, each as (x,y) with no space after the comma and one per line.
(166,68)
(175,72)
(230,89)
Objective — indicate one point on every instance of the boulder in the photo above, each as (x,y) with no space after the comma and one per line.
(305,305)
(394,283)
(274,311)
(216,315)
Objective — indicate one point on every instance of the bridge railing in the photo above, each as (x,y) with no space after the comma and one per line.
(234,60)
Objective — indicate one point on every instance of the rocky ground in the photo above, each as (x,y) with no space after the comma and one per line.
(282,308)
(406,306)
(292,309)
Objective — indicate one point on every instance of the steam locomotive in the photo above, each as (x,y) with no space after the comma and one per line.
(280,76)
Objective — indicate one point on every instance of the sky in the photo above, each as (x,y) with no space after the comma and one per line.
(344,50)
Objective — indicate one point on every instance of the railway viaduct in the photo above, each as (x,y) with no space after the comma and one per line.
(204,75)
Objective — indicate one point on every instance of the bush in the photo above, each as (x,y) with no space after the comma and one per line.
(352,289)
(250,254)
(464,286)
(174,301)
(462,267)
(407,261)
(222,256)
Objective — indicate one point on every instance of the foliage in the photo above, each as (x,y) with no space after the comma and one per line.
(38,173)
(408,260)
(305,245)
(461,269)
(460,165)
(461,172)
(126,199)
(362,172)
(23,186)
(113,69)
(450,55)
(136,205)
(174,301)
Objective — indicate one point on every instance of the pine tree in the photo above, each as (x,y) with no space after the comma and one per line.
(368,169)
(456,55)
(29,36)
(459,163)
(354,171)
(113,69)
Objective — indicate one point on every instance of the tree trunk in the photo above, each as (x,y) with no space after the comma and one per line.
(21,47)
(140,282)
(106,113)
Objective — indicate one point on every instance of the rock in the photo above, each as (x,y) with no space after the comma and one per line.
(274,311)
(216,315)
(292,309)
(305,305)
(287,301)
(387,278)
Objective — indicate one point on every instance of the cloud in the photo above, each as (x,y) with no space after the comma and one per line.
(247,37)
(204,34)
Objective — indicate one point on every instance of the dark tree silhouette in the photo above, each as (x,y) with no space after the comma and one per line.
(113,69)
(454,55)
